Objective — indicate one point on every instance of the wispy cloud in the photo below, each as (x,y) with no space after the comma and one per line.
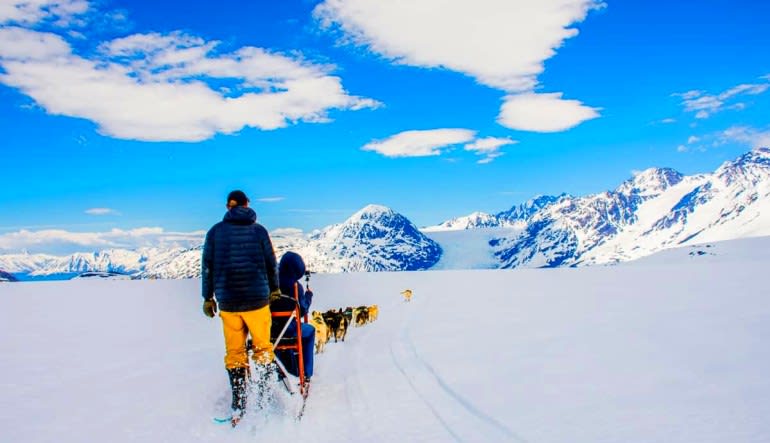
(742,135)
(420,143)
(668,121)
(705,105)
(271,199)
(489,147)
(101,211)
(426,35)
(753,137)
(49,240)
(161,87)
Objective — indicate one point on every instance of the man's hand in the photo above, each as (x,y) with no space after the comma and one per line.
(210,307)
(275,295)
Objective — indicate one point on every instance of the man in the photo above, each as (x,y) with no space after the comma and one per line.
(239,267)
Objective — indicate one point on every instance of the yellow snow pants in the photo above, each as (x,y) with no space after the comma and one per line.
(236,326)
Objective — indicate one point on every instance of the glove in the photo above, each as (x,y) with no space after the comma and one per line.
(210,307)
(275,295)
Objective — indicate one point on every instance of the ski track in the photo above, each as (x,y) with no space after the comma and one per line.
(447,405)
(485,424)
(343,388)
(349,387)
(337,392)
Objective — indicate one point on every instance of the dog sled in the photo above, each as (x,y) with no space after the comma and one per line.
(285,311)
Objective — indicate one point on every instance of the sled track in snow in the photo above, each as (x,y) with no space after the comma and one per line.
(433,386)
(430,406)
(364,417)
(459,399)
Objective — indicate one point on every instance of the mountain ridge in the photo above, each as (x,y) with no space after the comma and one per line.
(657,208)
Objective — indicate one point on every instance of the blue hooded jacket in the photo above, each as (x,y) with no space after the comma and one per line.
(238,263)
(290,270)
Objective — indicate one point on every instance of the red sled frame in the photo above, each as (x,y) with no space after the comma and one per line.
(291,344)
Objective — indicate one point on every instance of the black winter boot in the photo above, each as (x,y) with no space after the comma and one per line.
(238,385)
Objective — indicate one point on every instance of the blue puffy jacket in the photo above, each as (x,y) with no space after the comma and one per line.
(238,263)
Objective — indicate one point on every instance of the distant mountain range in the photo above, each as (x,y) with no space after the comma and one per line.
(656,209)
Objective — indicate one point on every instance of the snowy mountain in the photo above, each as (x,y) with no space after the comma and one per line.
(375,238)
(26,263)
(516,217)
(173,263)
(523,212)
(472,221)
(119,261)
(656,209)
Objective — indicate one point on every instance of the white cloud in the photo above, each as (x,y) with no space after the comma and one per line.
(543,112)
(155,87)
(271,199)
(489,147)
(668,121)
(693,139)
(420,143)
(101,211)
(58,239)
(753,137)
(489,144)
(31,12)
(689,95)
(489,158)
(682,148)
(705,105)
(744,89)
(22,44)
(500,43)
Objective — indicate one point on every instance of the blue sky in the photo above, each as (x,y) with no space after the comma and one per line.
(123,115)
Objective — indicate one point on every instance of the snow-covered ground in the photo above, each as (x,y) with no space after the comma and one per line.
(671,348)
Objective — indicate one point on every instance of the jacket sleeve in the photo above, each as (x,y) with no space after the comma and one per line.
(270,262)
(207,261)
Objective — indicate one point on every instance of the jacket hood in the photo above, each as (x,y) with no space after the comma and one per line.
(290,270)
(240,215)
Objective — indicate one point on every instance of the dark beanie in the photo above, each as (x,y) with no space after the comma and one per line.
(238,197)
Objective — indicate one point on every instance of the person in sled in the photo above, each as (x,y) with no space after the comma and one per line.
(239,269)
(290,270)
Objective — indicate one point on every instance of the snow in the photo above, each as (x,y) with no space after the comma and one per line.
(668,348)
(469,248)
